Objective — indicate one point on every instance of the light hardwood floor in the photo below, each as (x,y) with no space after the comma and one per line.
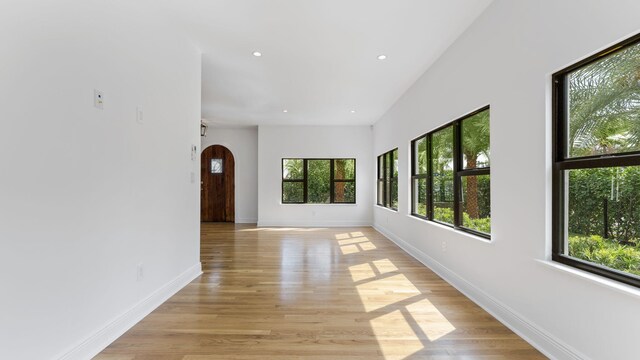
(330,293)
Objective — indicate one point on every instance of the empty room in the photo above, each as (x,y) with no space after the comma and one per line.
(319,179)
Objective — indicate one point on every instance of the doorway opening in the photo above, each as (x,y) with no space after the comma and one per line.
(217,185)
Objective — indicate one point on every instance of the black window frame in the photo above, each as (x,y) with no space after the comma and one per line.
(416,176)
(386,179)
(458,173)
(303,181)
(332,180)
(562,163)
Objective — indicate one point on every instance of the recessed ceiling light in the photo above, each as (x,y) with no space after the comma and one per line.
(382,57)
(257,53)
(353,111)
(285,111)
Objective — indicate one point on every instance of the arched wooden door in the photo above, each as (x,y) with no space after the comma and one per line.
(217,192)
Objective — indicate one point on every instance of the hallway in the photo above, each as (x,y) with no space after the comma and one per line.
(305,293)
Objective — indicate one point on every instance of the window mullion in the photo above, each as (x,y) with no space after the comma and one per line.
(387,186)
(332,182)
(475,171)
(384,180)
(414,160)
(429,192)
(605,161)
(457,165)
(304,179)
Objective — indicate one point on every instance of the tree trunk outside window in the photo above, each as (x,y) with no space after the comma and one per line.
(339,186)
(472,188)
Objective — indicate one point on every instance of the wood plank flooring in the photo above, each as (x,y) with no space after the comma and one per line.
(330,293)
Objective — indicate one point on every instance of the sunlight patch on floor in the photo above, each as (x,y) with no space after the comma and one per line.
(379,293)
(343,236)
(361,272)
(365,246)
(391,327)
(353,241)
(355,248)
(384,266)
(349,249)
(354,245)
(436,326)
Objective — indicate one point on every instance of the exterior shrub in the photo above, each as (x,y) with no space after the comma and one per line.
(480,224)
(605,252)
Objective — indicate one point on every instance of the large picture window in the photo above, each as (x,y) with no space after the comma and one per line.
(596,153)
(388,179)
(318,181)
(450,174)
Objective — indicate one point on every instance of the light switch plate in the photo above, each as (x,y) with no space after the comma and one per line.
(139,115)
(140,272)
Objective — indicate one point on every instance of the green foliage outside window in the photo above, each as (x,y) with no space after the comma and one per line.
(605,252)
(420,190)
(293,169)
(345,192)
(319,181)
(446,215)
(442,167)
(475,154)
(611,193)
(604,105)
(475,206)
(293,192)
(476,141)
(421,160)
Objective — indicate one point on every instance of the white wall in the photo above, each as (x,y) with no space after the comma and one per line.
(278,142)
(506,60)
(85,194)
(243,143)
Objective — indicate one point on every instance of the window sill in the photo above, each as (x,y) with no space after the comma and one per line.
(451,228)
(395,211)
(599,280)
(329,204)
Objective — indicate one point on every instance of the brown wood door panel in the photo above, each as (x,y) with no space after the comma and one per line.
(217,197)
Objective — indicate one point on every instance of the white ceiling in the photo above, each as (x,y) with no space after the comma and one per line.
(319,56)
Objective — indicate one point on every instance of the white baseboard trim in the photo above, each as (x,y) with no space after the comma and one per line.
(246,221)
(268,223)
(545,342)
(95,343)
